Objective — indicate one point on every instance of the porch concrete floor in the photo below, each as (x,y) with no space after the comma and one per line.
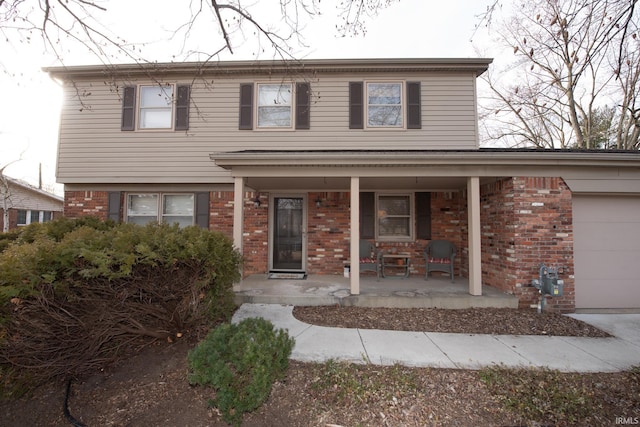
(412,292)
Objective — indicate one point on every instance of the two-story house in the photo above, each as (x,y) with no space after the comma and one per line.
(300,161)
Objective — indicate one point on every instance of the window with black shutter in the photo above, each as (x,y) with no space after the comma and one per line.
(157,106)
(382,105)
(303,106)
(182,108)
(113,206)
(356,105)
(129,108)
(414,113)
(246,106)
(202,210)
(367,215)
(423,215)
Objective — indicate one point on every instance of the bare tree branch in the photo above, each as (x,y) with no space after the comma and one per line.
(571,51)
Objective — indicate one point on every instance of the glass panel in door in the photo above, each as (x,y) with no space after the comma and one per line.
(288,233)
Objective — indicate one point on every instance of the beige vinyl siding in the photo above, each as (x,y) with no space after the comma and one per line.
(93,149)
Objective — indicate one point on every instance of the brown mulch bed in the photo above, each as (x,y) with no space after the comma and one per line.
(496,321)
(151,388)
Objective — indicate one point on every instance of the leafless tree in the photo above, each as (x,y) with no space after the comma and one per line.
(573,59)
(59,23)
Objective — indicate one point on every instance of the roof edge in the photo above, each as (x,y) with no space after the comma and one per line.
(476,65)
(515,157)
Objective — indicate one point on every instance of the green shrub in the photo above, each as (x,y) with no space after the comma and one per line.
(241,362)
(81,289)
(7,238)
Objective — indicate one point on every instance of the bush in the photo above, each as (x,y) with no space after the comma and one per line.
(7,238)
(83,289)
(241,362)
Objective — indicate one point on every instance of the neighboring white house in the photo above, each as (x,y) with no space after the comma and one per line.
(22,204)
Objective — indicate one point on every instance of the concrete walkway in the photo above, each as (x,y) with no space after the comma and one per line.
(460,351)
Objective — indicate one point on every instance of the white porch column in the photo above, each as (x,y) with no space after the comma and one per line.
(354,250)
(238,212)
(475,261)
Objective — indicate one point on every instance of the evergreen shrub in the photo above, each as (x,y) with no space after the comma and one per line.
(240,362)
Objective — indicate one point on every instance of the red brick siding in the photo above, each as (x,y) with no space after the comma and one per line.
(86,203)
(255,234)
(328,233)
(527,221)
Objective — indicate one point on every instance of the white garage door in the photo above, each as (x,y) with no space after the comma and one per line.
(607,251)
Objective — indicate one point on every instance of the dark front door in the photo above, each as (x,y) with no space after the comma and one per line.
(288,251)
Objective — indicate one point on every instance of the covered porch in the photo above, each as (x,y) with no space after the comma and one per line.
(412,292)
(328,184)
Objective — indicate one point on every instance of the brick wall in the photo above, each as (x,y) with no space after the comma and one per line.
(527,221)
(328,232)
(86,203)
(255,235)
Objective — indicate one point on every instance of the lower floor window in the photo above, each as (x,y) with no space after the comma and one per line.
(143,208)
(26,217)
(395,216)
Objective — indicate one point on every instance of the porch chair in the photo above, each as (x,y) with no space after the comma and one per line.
(370,257)
(439,256)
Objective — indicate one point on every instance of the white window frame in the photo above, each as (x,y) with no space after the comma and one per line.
(380,215)
(29,214)
(291,105)
(128,207)
(171,107)
(369,106)
(160,203)
(162,213)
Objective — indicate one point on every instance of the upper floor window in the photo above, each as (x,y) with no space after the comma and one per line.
(156,107)
(159,106)
(276,106)
(385,105)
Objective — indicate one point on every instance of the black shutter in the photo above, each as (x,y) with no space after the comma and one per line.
(113,206)
(367,215)
(202,210)
(356,107)
(423,216)
(182,108)
(414,115)
(246,106)
(129,108)
(303,106)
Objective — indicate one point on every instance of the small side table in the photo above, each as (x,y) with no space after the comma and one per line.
(397,261)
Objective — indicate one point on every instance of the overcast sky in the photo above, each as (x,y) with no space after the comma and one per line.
(30,108)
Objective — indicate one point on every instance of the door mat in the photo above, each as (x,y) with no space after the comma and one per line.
(294,276)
